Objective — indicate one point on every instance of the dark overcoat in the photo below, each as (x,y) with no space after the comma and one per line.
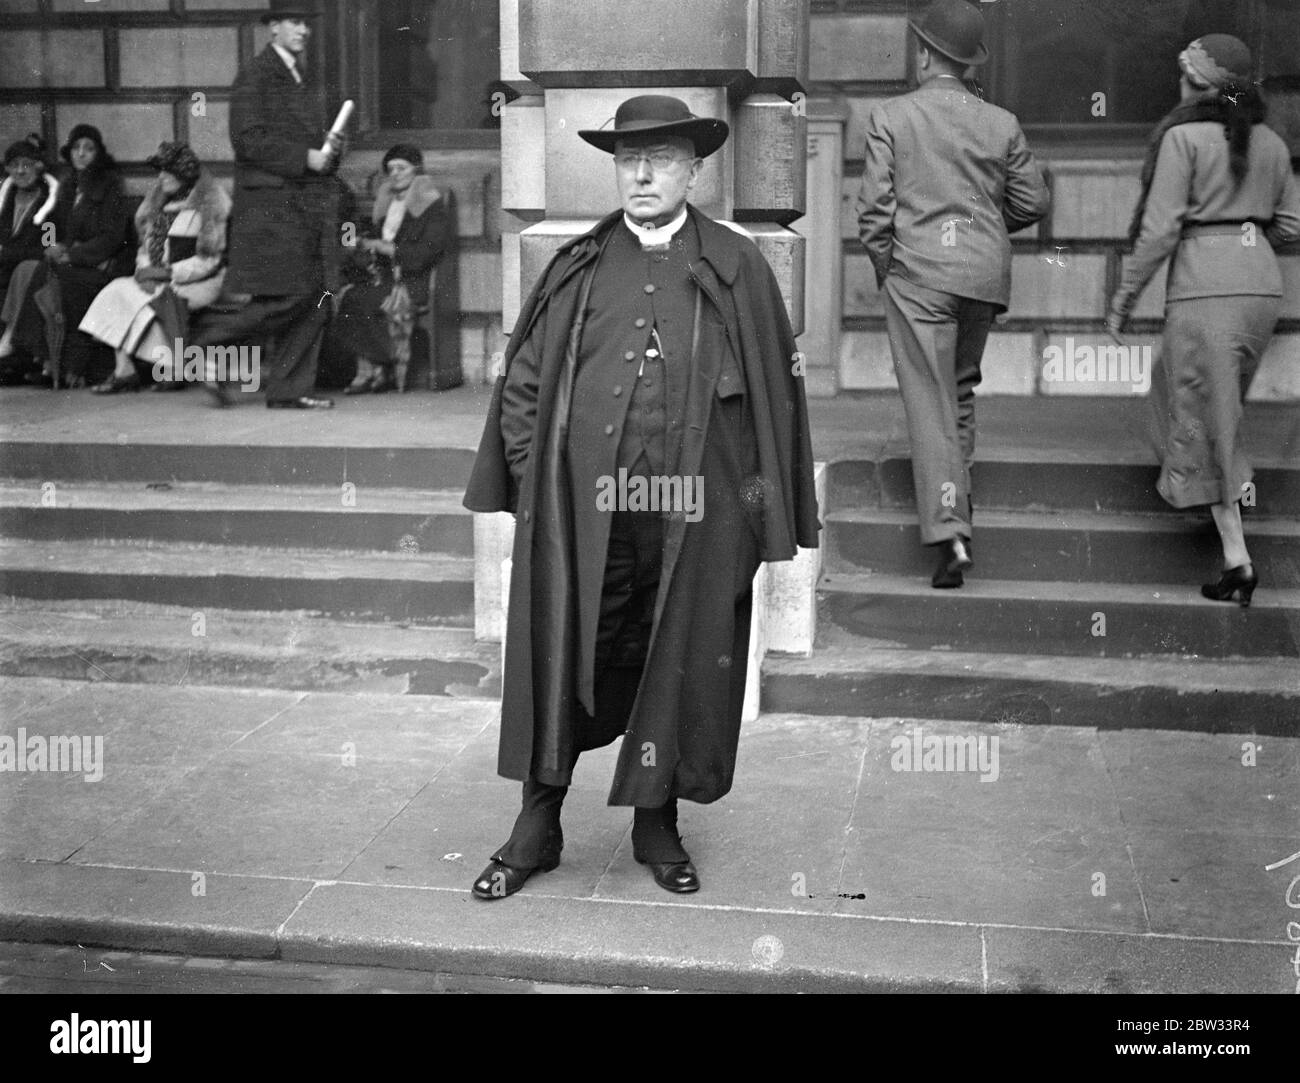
(97,228)
(284,232)
(747,437)
(99,234)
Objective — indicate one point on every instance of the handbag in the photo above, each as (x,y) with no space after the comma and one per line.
(173,313)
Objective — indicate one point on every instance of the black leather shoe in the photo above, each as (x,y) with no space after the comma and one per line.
(954,558)
(499,879)
(114,384)
(303,402)
(678,877)
(1236,585)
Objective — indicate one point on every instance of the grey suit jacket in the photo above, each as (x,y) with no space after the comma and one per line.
(947,178)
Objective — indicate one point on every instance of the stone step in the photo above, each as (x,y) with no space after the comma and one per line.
(138,642)
(311,517)
(1055,618)
(1260,696)
(1025,479)
(416,587)
(1070,547)
(237,464)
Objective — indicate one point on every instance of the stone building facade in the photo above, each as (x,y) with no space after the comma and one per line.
(494,89)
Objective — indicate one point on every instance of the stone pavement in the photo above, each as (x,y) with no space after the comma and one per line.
(319,827)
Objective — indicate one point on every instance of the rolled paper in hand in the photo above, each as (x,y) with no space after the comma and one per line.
(340,122)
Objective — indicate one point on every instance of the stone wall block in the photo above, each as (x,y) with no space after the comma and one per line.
(494,539)
(857,48)
(782,46)
(770,136)
(510,73)
(595,43)
(523,152)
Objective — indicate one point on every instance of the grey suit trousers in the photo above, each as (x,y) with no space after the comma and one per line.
(937,340)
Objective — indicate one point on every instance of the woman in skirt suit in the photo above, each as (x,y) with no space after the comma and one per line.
(1218,196)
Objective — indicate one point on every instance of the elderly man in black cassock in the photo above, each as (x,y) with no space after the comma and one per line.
(654,356)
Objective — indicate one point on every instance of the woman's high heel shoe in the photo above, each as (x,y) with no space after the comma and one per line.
(1237,584)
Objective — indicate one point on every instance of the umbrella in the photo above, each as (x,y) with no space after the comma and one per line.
(49,300)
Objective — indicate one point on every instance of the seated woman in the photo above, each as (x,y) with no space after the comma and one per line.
(408,236)
(28,202)
(182,229)
(92,247)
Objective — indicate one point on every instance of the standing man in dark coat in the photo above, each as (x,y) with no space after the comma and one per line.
(653,356)
(947,178)
(285,243)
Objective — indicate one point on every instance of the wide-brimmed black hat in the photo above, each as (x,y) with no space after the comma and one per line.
(286,9)
(658,114)
(954,28)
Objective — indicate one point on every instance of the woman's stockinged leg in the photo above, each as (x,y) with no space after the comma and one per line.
(1227,518)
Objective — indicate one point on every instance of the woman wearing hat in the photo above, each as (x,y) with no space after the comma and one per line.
(1218,196)
(407,237)
(182,228)
(28,201)
(93,246)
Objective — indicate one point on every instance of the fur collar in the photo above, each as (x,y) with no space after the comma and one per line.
(43,212)
(207,197)
(422,195)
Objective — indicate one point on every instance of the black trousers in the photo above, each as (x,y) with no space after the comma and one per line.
(293,326)
(627,606)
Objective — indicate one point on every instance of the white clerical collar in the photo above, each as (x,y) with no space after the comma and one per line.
(655,236)
(290,61)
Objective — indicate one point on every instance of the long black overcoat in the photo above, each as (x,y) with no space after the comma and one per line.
(684,726)
(284,231)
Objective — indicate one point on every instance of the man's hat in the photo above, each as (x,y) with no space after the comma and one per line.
(658,114)
(286,9)
(954,28)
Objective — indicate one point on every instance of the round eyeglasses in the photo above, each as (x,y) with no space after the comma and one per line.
(660,159)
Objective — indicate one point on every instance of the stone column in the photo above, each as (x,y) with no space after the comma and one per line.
(824,280)
(576,60)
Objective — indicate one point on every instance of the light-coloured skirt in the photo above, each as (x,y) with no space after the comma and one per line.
(1209,354)
(121,316)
